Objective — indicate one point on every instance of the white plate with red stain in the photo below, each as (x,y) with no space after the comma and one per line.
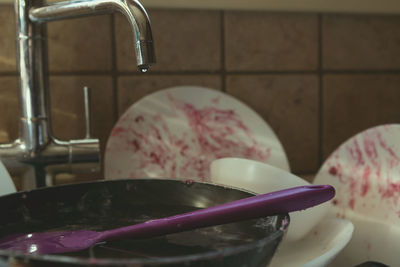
(177,132)
(365,172)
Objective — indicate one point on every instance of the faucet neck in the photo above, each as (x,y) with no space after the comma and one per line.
(131,9)
(32,66)
(35,146)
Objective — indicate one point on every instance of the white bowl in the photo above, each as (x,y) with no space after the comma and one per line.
(261,178)
(6,184)
(326,240)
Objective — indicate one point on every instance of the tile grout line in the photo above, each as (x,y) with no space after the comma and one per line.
(361,72)
(81,73)
(223,67)
(221,72)
(288,72)
(320,92)
(8,73)
(114,71)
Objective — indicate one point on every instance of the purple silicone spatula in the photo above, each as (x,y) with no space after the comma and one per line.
(283,201)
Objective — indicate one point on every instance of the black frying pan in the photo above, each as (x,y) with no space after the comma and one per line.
(110,204)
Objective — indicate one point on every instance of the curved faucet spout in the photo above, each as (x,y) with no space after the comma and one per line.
(132,9)
(140,24)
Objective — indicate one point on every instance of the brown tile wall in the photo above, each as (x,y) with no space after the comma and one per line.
(317,79)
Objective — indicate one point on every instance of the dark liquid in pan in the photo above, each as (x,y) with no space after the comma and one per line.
(185,243)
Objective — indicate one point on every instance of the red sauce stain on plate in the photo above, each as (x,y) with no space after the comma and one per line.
(366,169)
(160,151)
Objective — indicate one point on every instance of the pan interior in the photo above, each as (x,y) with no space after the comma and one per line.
(110,204)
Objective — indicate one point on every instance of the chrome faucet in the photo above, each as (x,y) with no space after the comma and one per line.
(36,156)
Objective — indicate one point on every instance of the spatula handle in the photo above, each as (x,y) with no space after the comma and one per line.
(283,201)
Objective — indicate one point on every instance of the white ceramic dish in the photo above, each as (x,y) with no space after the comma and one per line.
(314,237)
(6,184)
(262,178)
(319,248)
(178,132)
(365,172)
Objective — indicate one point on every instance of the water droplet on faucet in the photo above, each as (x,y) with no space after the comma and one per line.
(143,68)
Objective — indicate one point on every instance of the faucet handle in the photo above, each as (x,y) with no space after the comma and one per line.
(88,113)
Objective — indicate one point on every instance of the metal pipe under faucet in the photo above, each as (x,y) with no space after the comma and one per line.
(36,151)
